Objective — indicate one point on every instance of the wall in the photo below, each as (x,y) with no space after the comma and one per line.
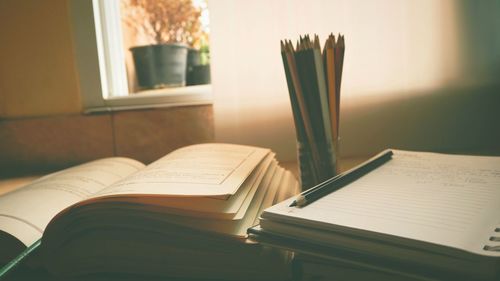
(418,74)
(37,69)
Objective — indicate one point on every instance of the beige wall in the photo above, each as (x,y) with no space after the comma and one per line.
(37,68)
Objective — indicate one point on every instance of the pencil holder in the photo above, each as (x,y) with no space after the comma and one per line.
(306,166)
(330,165)
(314,171)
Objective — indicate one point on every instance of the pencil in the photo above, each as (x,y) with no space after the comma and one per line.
(311,139)
(339,65)
(332,87)
(341,180)
(308,79)
(297,116)
(324,107)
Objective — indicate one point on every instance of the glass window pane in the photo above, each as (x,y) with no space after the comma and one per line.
(165,43)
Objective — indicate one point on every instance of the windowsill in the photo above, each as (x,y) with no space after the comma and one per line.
(173,97)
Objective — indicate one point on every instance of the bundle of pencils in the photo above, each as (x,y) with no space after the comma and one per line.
(314,78)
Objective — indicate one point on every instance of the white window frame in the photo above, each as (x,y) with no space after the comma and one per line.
(101,64)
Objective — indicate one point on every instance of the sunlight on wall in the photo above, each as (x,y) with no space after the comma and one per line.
(400,45)
(391,44)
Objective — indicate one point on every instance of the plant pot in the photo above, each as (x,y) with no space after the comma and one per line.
(160,66)
(199,75)
(193,59)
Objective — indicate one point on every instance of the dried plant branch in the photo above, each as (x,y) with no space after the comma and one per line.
(164,21)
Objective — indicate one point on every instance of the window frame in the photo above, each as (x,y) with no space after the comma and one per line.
(102,76)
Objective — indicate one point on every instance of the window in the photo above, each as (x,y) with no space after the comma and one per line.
(107,77)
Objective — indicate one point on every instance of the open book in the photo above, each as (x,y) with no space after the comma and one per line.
(185,215)
(425,210)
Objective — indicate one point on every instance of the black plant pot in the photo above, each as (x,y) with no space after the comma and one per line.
(160,66)
(196,73)
(193,59)
(199,75)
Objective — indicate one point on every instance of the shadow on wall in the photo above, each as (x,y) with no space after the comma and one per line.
(449,120)
(479,31)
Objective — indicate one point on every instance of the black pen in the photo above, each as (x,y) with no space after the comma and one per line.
(341,180)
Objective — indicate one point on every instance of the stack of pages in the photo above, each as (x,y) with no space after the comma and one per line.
(420,216)
(184,216)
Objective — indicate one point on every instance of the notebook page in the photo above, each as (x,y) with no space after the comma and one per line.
(449,200)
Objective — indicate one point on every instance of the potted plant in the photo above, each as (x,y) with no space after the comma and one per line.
(198,70)
(170,27)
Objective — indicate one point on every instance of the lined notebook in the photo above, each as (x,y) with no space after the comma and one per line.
(447,206)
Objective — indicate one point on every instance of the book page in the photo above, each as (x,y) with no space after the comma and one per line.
(206,207)
(216,170)
(234,227)
(25,212)
(449,200)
